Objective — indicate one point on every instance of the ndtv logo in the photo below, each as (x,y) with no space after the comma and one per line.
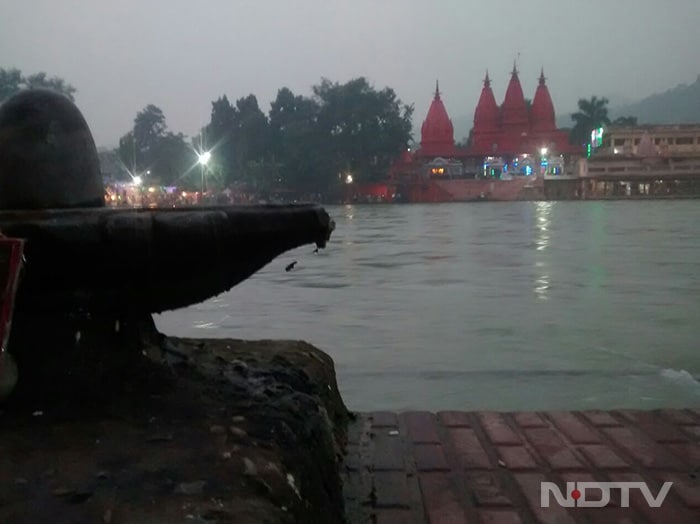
(597,494)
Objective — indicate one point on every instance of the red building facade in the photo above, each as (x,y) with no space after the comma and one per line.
(510,146)
(513,128)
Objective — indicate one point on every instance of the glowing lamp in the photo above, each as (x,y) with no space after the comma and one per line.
(204,158)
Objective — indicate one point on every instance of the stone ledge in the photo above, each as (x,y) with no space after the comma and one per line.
(204,430)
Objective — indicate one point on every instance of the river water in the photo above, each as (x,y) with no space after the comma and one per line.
(504,306)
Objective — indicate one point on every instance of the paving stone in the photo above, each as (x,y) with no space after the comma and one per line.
(680,417)
(671,511)
(602,457)
(391,490)
(422,427)
(574,429)
(552,449)
(382,419)
(688,453)
(388,453)
(441,503)
(601,418)
(517,457)
(684,487)
(644,451)
(454,419)
(578,447)
(693,431)
(528,419)
(530,485)
(486,490)
(654,426)
(497,429)
(430,457)
(469,451)
(494,516)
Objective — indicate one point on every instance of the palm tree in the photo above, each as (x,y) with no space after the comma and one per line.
(591,115)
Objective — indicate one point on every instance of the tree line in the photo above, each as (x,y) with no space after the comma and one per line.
(305,143)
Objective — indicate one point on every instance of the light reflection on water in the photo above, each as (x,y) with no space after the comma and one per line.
(546,305)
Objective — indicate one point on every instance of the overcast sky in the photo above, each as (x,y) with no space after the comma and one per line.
(180,55)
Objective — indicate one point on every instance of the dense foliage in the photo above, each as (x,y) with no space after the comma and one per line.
(12,81)
(309,143)
(303,143)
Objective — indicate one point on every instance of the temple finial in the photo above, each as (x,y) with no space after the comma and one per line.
(487,80)
(515,67)
(542,78)
(437,89)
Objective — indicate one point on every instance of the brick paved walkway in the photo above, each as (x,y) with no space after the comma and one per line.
(485,467)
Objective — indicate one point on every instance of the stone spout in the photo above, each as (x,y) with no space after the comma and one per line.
(111,261)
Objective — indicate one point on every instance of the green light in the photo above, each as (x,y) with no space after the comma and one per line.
(588,151)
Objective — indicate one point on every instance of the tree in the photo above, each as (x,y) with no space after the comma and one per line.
(591,115)
(295,140)
(365,129)
(137,149)
(625,121)
(149,150)
(12,81)
(218,136)
(238,135)
(149,129)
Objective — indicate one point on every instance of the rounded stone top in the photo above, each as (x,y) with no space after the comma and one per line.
(48,158)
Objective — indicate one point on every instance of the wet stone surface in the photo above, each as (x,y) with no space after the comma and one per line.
(215,431)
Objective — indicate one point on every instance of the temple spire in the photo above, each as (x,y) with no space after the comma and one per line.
(542,78)
(437,89)
(487,80)
(515,67)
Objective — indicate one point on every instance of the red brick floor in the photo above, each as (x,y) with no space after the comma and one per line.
(486,467)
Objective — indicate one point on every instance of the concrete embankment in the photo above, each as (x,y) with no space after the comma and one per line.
(209,431)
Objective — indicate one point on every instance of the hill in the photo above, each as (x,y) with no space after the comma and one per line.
(679,105)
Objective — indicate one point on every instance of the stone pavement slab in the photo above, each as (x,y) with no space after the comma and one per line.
(487,467)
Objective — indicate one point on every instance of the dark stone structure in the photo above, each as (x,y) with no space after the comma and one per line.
(48,158)
(93,275)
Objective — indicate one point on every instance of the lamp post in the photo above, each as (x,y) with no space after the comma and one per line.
(203,161)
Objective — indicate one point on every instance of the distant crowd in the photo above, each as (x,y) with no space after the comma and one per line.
(155,197)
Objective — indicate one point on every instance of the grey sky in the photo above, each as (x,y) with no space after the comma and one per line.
(181,55)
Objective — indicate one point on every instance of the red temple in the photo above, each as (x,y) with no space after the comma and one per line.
(512,148)
(514,129)
(437,132)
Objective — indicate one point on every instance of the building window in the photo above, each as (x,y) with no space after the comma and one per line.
(684,141)
(657,141)
(636,141)
(438,171)
(619,142)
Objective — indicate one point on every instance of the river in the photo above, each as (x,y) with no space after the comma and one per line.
(503,306)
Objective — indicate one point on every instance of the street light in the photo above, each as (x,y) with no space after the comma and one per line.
(203,161)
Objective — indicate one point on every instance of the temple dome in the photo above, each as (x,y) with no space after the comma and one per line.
(486,114)
(514,112)
(542,115)
(437,132)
